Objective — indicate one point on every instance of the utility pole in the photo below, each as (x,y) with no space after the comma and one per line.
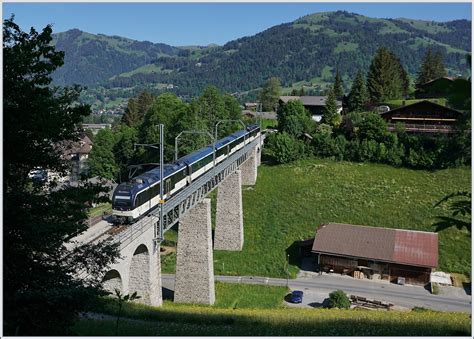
(159,227)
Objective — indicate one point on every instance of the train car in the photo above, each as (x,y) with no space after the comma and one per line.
(132,200)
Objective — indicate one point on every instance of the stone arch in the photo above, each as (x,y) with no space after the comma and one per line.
(140,274)
(112,280)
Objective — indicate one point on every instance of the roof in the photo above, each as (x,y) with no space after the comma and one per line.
(437,79)
(420,103)
(384,244)
(83,146)
(309,100)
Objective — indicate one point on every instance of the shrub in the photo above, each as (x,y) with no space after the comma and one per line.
(286,148)
(338,299)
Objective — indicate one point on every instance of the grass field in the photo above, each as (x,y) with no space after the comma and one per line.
(234,314)
(290,201)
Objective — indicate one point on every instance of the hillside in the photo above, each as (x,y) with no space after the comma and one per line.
(91,59)
(308,49)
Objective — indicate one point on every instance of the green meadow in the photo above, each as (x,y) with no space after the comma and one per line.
(252,310)
(290,201)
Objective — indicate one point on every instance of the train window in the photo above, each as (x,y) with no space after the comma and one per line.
(168,185)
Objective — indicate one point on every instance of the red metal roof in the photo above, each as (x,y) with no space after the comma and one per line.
(418,248)
(377,243)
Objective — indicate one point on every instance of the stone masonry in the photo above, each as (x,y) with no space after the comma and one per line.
(194,260)
(229,233)
(249,169)
(138,270)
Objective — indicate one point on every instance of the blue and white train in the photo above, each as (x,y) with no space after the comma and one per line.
(131,200)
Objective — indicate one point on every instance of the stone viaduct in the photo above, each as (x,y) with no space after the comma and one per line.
(139,269)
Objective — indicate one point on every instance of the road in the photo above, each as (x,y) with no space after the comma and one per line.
(317,288)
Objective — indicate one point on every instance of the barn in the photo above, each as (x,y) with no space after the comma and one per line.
(400,256)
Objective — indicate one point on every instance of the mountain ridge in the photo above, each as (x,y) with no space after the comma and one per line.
(308,48)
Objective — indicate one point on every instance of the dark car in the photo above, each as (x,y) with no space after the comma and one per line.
(296,297)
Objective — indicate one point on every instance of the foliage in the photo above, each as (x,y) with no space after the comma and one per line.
(372,127)
(285,148)
(387,78)
(338,299)
(338,87)
(294,119)
(42,291)
(270,94)
(136,109)
(331,116)
(121,299)
(101,158)
(432,67)
(358,96)
(458,208)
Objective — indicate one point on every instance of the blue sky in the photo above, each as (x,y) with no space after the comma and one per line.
(181,24)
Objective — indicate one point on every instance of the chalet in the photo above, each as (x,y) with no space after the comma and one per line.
(314,104)
(436,88)
(400,256)
(78,153)
(423,117)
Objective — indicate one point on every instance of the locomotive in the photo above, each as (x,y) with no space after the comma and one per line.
(131,200)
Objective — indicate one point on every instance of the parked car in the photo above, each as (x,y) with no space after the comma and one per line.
(296,297)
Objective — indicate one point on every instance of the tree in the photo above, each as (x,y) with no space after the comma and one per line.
(136,109)
(358,96)
(167,109)
(42,291)
(387,79)
(338,87)
(331,116)
(294,119)
(286,148)
(432,67)
(270,94)
(372,127)
(338,299)
(101,160)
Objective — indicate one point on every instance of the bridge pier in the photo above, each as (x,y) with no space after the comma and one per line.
(249,169)
(194,260)
(229,233)
(138,271)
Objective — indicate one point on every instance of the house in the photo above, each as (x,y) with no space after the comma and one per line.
(436,88)
(314,104)
(377,253)
(252,106)
(78,153)
(423,117)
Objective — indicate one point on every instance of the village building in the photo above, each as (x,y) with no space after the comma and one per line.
(78,153)
(314,104)
(423,117)
(396,255)
(436,88)
(251,106)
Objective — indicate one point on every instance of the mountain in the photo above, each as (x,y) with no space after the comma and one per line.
(90,59)
(308,49)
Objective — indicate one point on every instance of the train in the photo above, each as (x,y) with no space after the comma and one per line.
(133,199)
